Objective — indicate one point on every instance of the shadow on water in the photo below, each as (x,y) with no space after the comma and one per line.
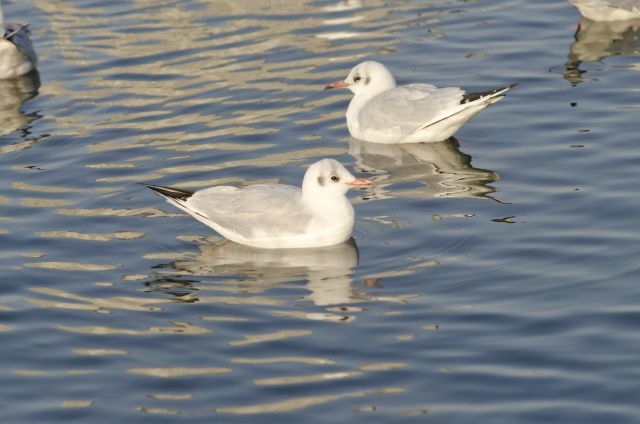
(242,269)
(424,170)
(595,41)
(13,94)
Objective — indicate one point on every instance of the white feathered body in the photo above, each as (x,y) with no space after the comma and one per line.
(412,113)
(271,216)
(17,55)
(608,10)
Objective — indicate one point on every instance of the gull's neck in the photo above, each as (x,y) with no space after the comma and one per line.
(326,207)
(361,98)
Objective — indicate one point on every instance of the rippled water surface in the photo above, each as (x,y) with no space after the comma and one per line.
(493,278)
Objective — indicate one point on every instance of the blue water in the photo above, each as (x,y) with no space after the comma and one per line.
(492,278)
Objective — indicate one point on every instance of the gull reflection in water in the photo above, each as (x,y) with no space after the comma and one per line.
(595,41)
(440,169)
(13,93)
(327,270)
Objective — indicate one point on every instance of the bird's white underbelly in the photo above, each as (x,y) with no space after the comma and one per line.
(319,232)
(439,131)
(13,62)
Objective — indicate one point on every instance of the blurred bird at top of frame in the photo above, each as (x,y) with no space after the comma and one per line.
(17,55)
(608,10)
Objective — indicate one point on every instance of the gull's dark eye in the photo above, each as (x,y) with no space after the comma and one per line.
(357,78)
(335,178)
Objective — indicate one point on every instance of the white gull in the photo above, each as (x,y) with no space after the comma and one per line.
(381,112)
(276,216)
(17,56)
(608,10)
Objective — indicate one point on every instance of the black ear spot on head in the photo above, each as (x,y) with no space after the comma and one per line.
(367,80)
(321,180)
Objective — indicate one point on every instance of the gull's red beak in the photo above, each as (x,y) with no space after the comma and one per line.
(337,84)
(359,182)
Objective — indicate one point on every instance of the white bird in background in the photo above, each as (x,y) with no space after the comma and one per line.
(608,10)
(276,216)
(17,56)
(382,112)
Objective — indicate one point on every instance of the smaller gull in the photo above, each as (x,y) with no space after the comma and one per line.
(276,216)
(381,112)
(17,56)
(608,10)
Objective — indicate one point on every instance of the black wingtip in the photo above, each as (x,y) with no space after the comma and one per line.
(170,192)
(472,97)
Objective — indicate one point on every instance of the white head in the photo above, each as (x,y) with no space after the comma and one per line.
(327,179)
(370,78)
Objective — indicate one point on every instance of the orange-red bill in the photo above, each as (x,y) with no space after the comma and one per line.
(358,182)
(337,84)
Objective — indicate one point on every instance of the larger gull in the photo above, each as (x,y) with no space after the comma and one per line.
(381,112)
(274,215)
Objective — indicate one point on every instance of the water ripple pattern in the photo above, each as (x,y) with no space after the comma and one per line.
(492,278)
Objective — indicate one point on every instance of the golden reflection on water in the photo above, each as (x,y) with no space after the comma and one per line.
(297,403)
(46,189)
(70,266)
(284,359)
(406,337)
(100,352)
(120,235)
(95,303)
(221,318)
(309,378)
(178,371)
(158,411)
(318,316)
(275,159)
(269,337)
(208,60)
(45,203)
(176,328)
(77,403)
(171,396)
(241,300)
(326,376)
